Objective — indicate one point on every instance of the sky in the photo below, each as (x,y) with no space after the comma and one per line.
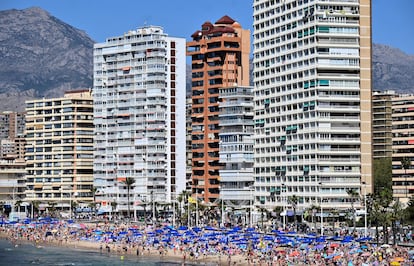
(393,20)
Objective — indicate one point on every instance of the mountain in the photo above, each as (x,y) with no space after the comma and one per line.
(392,69)
(41,56)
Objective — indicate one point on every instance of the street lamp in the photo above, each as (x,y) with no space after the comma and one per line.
(153,206)
(284,205)
(365,209)
(251,204)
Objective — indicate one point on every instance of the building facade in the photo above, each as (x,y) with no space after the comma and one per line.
(219,58)
(382,124)
(59,150)
(236,148)
(312,89)
(139,116)
(12,140)
(402,147)
(12,183)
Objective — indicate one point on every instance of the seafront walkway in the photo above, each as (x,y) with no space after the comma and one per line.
(221,246)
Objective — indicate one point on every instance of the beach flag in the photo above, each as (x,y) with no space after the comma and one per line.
(191,200)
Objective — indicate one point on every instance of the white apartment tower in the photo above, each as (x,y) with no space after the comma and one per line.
(312,94)
(139,117)
(236,146)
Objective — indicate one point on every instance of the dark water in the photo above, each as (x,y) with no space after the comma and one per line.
(27,254)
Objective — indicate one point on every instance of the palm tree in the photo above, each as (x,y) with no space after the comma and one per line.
(92,205)
(353,194)
(396,215)
(382,202)
(313,208)
(406,164)
(52,205)
(181,198)
(129,182)
(293,200)
(34,207)
(18,203)
(335,214)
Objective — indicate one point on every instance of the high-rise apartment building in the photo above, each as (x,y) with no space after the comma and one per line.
(402,147)
(382,124)
(11,124)
(236,146)
(219,58)
(59,150)
(312,88)
(12,182)
(139,116)
(12,135)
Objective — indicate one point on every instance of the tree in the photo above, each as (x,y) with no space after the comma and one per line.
(18,203)
(293,200)
(397,214)
(183,200)
(405,164)
(380,211)
(313,209)
(34,207)
(382,174)
(353,194)
(182,197)
(52,206)
(409,211)
(129,182)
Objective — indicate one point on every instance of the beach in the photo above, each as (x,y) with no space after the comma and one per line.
(207,245)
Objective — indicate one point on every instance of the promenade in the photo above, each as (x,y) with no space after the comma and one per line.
(208,245)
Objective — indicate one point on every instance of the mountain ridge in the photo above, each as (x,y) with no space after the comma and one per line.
(42,56)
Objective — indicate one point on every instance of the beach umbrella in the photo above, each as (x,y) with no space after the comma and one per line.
(364,239)
(294,253)
(337,257)
(196,229)
(346,240)
(334,245)
(319,246)
(74,226)
(268,238)
(320,239)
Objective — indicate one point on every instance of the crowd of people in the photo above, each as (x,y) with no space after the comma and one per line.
(222,246)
